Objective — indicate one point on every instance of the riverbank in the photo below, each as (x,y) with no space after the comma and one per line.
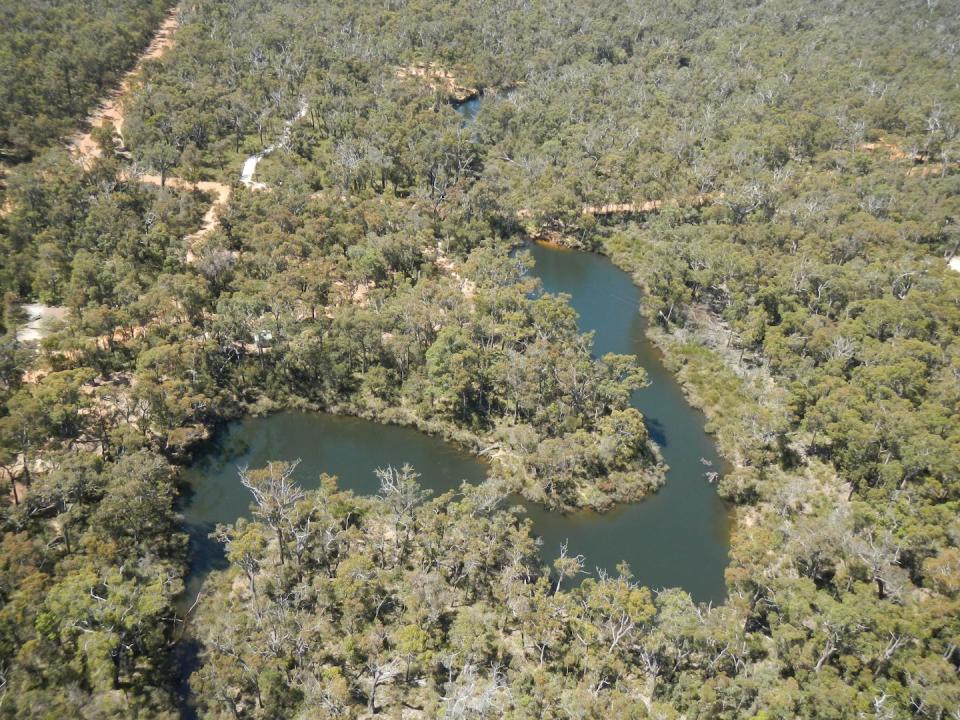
(506,462)
(771,476)
(676,536)
(438,79)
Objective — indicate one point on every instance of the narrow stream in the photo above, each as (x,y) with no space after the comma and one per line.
(250,164)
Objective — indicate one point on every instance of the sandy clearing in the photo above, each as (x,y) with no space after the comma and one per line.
(447,265)
(438,79)
(648,205)
(895,151)
(39,318)
(220,191)
(923,164)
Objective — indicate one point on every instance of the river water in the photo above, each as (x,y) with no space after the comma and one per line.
(675,538)
(679,536)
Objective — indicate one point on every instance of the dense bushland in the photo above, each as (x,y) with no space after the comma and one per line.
(804,156)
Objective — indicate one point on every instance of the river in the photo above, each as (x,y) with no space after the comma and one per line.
(679,536)
(675,538)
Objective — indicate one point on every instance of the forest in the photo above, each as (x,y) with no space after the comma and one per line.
(782,181)
(58,59)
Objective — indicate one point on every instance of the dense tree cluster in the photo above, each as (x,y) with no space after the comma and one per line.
(338,606)
(92,556)
(94,242)
(792,169)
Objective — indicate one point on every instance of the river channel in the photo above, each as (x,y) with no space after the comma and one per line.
(677,537)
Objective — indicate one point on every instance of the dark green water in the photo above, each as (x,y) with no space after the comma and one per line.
(347,447)
(677,537)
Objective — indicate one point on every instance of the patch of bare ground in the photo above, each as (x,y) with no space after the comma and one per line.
(16,481)
(448,266)
(10,480)
(649,206)
(894,151)
(40,319)
(438,79)
(557,236)
(923,164)
(220,191)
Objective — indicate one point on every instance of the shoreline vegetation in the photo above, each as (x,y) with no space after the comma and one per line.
(506,457)
(805,308)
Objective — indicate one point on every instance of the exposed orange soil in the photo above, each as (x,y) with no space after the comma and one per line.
(438,79)
(931,169)
(83,147)
(648,205)
(220,191)
(14,473)
(895,151)
(7,206)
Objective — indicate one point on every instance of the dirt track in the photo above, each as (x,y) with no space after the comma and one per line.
(82,146)
(220,190)
(85,149)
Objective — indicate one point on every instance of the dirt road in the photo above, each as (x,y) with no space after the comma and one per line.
(82,146)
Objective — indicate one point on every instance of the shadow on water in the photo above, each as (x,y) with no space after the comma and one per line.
(468,109)
(657,431)
(186,657)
